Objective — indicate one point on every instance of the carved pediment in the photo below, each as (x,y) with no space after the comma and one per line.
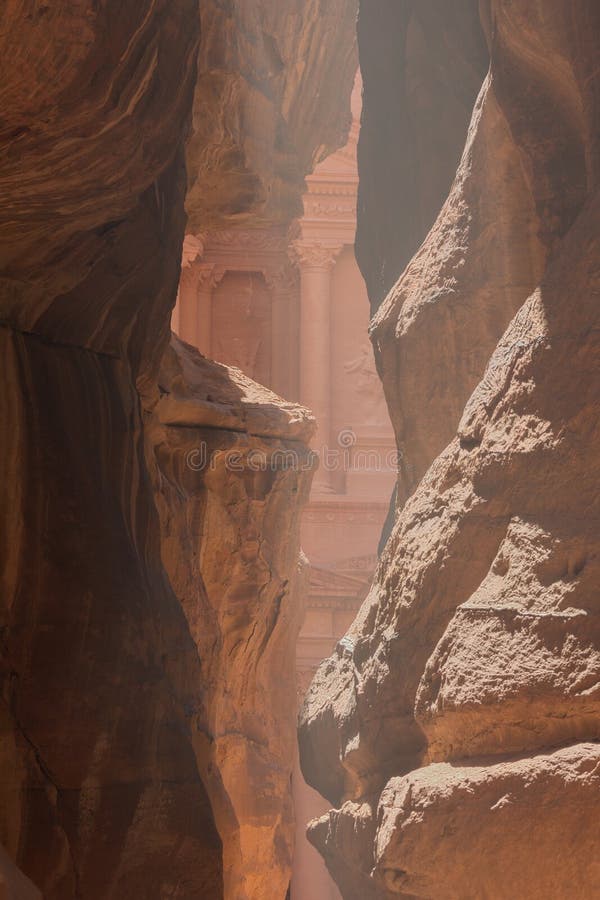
(328,583)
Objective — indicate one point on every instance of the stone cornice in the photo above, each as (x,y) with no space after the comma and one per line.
(362,564)
(257,240)
(334,583)
(338,503)
(319,601)
(327,189)
(238,249)
(318,205)
(330,512)
(341,516)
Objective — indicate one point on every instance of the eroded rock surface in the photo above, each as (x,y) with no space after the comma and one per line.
(101,791)
(433,816)
(437,726)
(273,99)
(148,609)
(232,470)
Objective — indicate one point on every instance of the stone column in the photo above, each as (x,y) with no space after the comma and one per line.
(316,264)
(187,301)
(194,304)
(184,319)
(208,278)
(282,283)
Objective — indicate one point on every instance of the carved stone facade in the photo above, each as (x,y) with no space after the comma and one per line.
(238,302)
(289,307)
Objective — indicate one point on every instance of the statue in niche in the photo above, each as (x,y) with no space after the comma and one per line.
(366,384)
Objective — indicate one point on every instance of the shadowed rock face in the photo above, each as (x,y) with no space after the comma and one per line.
(462,714)
(14,885)
(148,603)
(101,792)
(272,100)
(422,66)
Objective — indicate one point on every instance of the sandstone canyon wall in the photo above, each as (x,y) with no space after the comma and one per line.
(147,580)
(422,66)
(272,100)
(456,728)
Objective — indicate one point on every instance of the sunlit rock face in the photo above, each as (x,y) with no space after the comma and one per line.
(460,715)
(436,329)
(148,609)
(272,99)
(231,470)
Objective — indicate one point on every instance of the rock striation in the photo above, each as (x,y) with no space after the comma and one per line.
(149,498)
(101,791)
(461,712)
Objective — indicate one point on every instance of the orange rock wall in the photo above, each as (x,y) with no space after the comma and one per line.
(460,715)
(272,99)
(101,793)
(147,603)
(231,471)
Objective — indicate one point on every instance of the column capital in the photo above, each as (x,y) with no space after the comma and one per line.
(313,255)
(209,275)
(280,280)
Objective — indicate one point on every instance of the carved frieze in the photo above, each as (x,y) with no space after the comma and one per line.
(260,240)
(314,255)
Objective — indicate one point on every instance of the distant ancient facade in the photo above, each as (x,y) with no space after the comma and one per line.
(289,307)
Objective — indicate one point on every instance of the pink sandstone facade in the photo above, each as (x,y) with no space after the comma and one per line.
(288,306)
